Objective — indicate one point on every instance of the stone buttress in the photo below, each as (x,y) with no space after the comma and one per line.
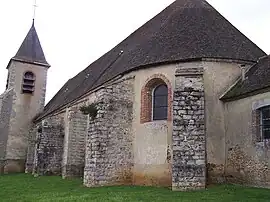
(49,147)
(74,142)
(109,151)
(188,150)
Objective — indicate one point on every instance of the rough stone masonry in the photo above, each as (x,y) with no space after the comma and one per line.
(74,143)
(5,112)
(109,156)
(49,147)
(189,166)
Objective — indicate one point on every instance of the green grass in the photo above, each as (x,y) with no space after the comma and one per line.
(27,188)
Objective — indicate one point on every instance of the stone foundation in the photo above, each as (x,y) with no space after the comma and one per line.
(188,150)
(152,175)
(241,168)
(215,173)
(14,166)
(71,171)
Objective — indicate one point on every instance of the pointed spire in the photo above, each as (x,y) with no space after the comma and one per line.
(30,49)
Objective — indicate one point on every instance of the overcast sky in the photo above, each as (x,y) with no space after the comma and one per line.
(74,33)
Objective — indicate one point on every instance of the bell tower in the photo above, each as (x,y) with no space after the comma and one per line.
(24,97)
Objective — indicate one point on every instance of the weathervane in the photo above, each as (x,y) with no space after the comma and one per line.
(35,7)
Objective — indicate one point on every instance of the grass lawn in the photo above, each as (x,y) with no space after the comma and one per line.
(24,187)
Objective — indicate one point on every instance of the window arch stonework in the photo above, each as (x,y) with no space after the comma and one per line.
(147,97)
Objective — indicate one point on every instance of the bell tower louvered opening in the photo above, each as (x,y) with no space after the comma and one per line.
(28,84)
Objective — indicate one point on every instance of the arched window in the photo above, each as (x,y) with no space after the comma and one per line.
(156,99)
(160,102)
(28,84)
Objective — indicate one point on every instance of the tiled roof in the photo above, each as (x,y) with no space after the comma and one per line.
(186,30)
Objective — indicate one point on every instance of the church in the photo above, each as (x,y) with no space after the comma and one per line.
(182,102)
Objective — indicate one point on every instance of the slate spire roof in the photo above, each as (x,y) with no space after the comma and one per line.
(30,49)
(184,31)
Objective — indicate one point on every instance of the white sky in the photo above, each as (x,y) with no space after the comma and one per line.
(74,33)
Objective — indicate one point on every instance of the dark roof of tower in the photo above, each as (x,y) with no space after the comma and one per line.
(257,79)
(30,49)
(186,30)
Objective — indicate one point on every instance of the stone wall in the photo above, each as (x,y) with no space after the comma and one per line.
(188,150)
(57,144)
(32,138)
(109,157)
(74,142)
(218,76)
(5,112)
(49,146)
(247,154)
(152,138)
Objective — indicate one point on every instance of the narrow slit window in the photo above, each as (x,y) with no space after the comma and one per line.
(28,85)
(7,81)
(160,102)
(265,122)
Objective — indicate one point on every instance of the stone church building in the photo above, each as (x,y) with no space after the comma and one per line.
(182,102)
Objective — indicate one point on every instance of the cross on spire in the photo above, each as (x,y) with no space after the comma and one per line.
(35,7)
